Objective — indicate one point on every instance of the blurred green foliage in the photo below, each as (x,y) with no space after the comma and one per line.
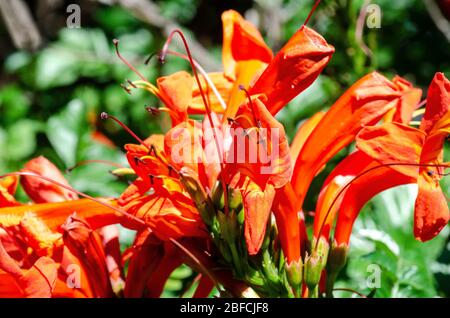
(50,101)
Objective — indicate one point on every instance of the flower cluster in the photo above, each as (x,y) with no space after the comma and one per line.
(225,194)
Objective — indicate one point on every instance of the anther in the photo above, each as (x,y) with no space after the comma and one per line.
(126,89)
(131,83)
(138,160)
(152,110)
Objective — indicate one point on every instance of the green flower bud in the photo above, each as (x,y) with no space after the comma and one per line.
(322,249)
(316,262)
(337,257)
(234,199)
(313,270)
(294,273)
(336,261)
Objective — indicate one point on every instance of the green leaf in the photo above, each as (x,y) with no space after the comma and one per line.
(14,103)
(21,140)
(64,130)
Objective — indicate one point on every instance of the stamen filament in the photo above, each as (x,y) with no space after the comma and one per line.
(84,162)
(311,13)
(205,102)
(105,115)
(351,291)
(130,66)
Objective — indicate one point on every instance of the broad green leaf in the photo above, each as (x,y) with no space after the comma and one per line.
(64,130)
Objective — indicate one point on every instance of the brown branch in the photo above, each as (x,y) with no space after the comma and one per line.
(438,18)
(149,12)
(20,24)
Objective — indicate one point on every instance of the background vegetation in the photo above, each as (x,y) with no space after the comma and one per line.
(50,99)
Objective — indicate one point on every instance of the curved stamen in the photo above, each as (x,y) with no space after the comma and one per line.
(444,165)
(130,66)
(85,162)
(81,194)
(311,13)
(105,115)
(350,291)
(162,57)
(150,58)
(204,99)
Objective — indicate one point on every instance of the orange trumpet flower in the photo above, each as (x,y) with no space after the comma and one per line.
(364,104)
(390,155)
